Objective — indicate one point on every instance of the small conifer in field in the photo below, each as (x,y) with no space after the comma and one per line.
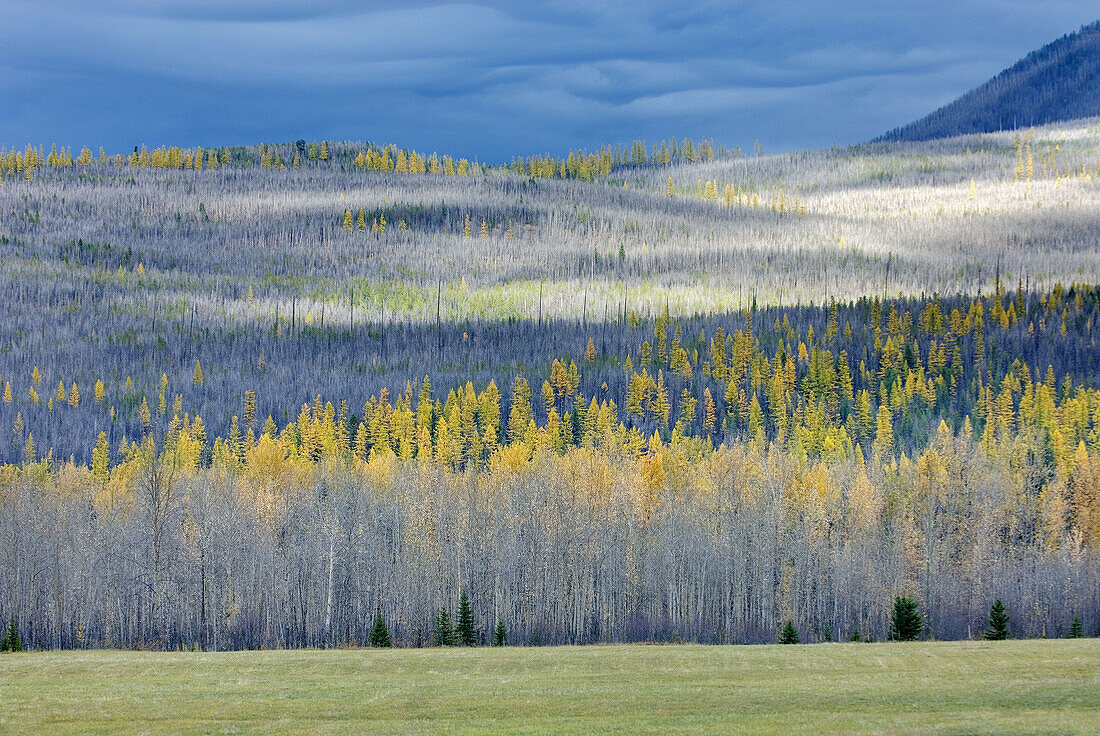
(906,621)
(380,633)
(500,635)
(10,641)
(788,634)
(444,633)
(998,622)
(1076,630)
(466,633)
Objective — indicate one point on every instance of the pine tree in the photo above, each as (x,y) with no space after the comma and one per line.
(906,621)
(500,635)
(788,634)
(379,633)
(444,633)
(10,641)
(998,622)
(467,634)
(1076,630)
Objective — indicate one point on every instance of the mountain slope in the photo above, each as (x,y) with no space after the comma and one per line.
(1060,81)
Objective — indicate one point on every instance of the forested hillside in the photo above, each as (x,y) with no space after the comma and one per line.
(1060,81)
(258,396)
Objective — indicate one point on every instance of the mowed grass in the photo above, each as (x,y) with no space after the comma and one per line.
(1034,687)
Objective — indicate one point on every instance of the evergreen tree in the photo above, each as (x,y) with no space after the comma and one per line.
(1076,630)
(379,633)
(906,621)
(10,641)
(500,635)
(998,622)
(788,634)
(855,636)
(466,633)
(444,631)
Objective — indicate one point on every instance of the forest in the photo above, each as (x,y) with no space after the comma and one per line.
(261,396)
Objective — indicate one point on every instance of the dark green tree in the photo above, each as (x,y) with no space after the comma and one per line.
(380,633)
(444,633)
(788,634)
(998,622)
(10,641)
(855,636)
(906,621)
(500,635)
(467,634)
(1076,630)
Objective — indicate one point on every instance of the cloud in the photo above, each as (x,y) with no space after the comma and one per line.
(495,78)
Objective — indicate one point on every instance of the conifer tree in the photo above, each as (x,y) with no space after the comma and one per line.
(443,633)
(197,377)
(998,622)
(788,634)
(379,633)
(466,632)
(1076,630)
(10,641)
(906,621)
(500,635)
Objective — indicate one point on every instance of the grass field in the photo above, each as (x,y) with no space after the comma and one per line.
(1040,687)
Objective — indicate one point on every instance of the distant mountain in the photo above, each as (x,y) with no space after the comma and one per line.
(1060,81)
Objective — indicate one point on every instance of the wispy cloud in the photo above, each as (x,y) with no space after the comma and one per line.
(495,78)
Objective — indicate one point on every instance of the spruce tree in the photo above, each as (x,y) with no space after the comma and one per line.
(788,634)
(10,641)
(500,635)
(998,622)
(444,631)
(906,621)
(466,633)
(1076,630)
(855,636)
(379,633)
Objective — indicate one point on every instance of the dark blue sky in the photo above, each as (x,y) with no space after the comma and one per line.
(497,78)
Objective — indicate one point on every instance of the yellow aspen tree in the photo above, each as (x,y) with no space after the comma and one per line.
(349,224)
(36,377)
(74,396)
(60,394)
(484,232)
(670,188)
(197,377)
(466,227)
(361,220)
(7,392)
(100,392)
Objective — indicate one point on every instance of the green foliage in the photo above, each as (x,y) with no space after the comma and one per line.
(10,641)
(1076,630)
(856,636)
(788,634)
(500,635)
(466,633)
(380,633)
(906,621)
(443,634)
(998,622)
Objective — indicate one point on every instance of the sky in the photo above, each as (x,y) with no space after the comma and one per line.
(493,79)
